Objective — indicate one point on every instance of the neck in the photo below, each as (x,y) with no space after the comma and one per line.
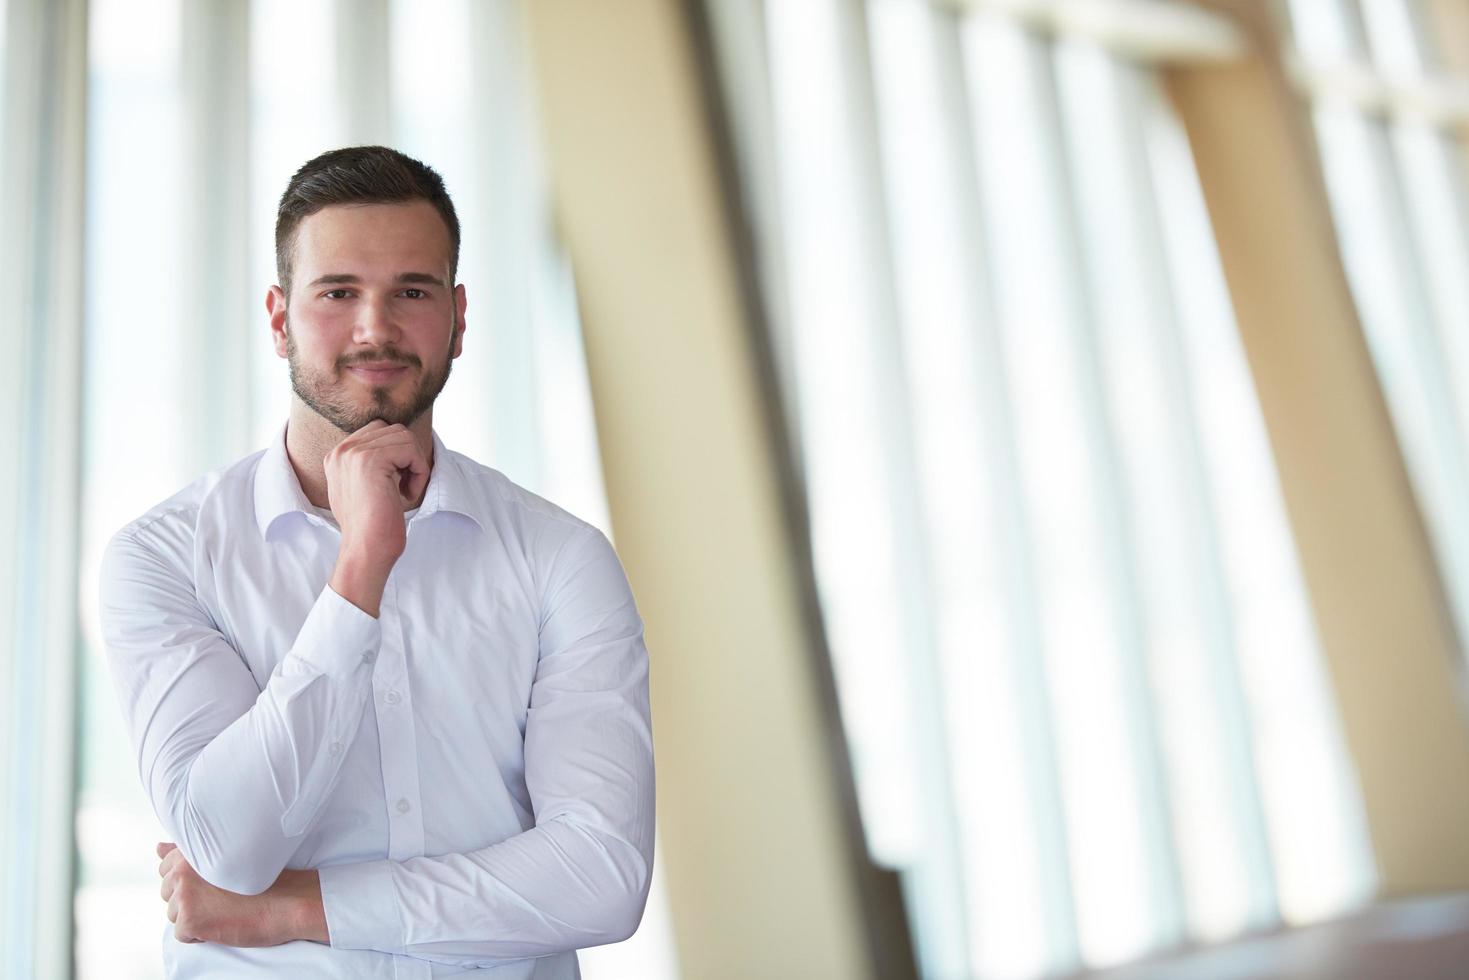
(309,437)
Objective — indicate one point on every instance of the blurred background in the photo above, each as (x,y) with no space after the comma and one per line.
(1034,430)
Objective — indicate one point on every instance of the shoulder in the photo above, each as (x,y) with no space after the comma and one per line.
(168,529)
(504,503)
(564,554)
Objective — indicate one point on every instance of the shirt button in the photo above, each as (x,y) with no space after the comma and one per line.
(368,656)
(403,806)
(335,748)
(392,697)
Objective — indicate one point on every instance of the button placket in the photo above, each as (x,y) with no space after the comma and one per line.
(397,739)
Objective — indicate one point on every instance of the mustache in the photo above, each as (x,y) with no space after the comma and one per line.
(374,357)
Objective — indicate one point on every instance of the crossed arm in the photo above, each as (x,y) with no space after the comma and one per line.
(288,910)
(237,774)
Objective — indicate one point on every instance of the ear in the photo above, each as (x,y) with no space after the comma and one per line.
(275,305)
(460,303)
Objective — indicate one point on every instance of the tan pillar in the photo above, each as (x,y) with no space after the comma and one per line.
(1446,25)
(757,854)
(1379,605)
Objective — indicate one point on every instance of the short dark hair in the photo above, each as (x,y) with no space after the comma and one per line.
(358,175)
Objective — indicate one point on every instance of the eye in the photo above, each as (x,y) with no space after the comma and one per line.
(335,294)
(414,293)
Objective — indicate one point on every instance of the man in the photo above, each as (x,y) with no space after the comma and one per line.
(392,707)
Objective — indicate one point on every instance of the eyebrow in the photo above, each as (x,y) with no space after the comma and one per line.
(343,278)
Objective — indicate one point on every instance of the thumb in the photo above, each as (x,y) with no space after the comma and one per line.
(164,847)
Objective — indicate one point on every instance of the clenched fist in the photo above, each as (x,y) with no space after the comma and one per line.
(373,476)
(290,909)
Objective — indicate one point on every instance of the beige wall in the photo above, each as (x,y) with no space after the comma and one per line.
(755,850)
(1379,605)
(1446,23)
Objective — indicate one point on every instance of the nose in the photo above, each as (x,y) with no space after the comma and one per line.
(375,325)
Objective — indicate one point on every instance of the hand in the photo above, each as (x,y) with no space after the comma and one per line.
(290,909)
(373,476)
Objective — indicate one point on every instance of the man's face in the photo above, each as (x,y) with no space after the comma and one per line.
(374,321)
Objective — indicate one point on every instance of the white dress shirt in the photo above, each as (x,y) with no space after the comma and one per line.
(472,771)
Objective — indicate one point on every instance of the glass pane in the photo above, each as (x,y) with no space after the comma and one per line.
(1085,598)
(133,340)
(827,212)
(1195,688)
(986,833)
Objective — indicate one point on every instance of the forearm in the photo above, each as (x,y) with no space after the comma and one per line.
(360,578)
(298,905)
(553,888)
(239,805)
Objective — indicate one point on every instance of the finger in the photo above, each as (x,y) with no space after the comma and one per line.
(372,432)
(170,861)
(165,889)
(398,450)
(363,438)
(164,847)
(369,431)
(415,482)
(403,449)
(404,456)
(372,426)
(396,445)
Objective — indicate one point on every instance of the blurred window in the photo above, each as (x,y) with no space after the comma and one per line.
(1077,670)
(42,96)
(179,380)
(1390,127)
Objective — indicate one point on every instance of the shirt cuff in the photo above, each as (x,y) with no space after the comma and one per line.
(337,637)
(361,906)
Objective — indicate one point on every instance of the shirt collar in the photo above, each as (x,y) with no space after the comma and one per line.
(278,492)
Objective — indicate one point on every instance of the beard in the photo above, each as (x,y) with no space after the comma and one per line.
(328,395)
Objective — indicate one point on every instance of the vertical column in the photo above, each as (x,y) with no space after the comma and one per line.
(763,875)
(1446,24)
(222,312)
(41,252)
(1376,592)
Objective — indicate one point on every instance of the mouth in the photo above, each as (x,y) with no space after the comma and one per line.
(378,374)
